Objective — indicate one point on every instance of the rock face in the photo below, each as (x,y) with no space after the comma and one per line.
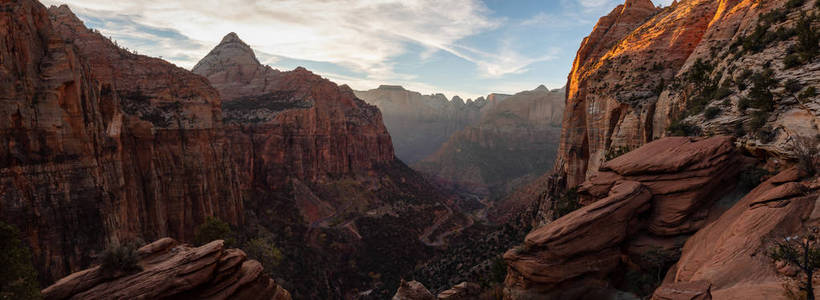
(651,198)
(300,124)
(729,254)
(92,148)
(513,143)
(56,155)
(174,271)
(167,126)
(421,124)
(644,73)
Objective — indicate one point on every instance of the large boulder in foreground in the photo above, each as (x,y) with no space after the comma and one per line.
(649,199)
(175,271)
(729,253)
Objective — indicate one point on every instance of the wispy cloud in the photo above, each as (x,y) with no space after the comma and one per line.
(362,36)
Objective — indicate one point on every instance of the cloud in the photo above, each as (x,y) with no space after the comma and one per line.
(363,36)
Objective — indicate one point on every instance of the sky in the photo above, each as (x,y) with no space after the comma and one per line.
(468,48)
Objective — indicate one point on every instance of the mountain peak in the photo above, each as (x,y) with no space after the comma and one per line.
(391,87)
(231,38)
(542,88)
(232,52)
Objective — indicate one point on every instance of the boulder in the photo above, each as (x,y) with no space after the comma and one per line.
(412,290)
(461,291)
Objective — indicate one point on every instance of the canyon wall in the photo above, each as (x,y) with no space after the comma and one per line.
(645,73)
(421,124)
(513,142)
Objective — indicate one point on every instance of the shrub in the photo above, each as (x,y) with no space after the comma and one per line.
(498,270)
(801,251)
(792,60)
(265,251)
(722,92)
(760,95)
(793,86)
(807,155)
(739,130)
(792,4)
(711,112)
(214,229)
(18,280)
(807,38)
(654,263)
(120,258)
(751,178)
(683,128)
(566,203)
(757,121)
(808,93)
(617,152)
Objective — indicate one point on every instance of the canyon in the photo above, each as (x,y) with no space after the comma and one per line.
(513,143)
(104,146)
(421,124)
(683,148)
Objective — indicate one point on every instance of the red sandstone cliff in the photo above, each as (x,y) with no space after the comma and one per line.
(58,161)
(644,72)
(175,166)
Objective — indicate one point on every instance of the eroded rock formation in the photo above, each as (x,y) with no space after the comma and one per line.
(170,270)
(651,198)
(644,73)
(730,253)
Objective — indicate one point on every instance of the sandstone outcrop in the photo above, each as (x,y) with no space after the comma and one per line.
(651,198)
(170,270)
(512,144)
(730,253)
(421,124)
